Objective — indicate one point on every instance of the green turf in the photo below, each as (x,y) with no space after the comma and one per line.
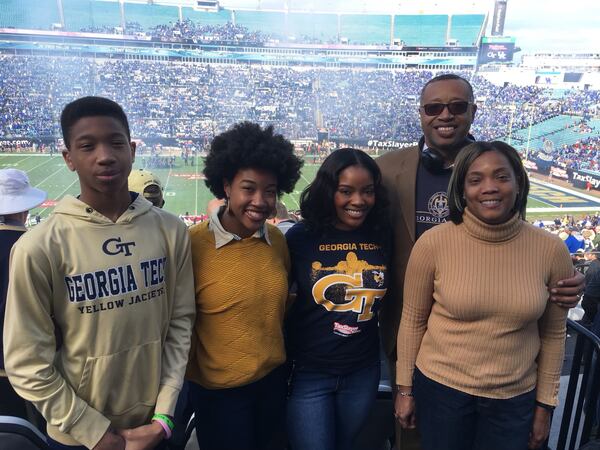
(185,190)
(533,203)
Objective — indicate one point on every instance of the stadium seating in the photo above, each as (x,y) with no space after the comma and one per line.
(89,14)
(17,14)
(260,26)
(18,434)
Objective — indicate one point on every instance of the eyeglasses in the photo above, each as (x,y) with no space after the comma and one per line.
(455,108)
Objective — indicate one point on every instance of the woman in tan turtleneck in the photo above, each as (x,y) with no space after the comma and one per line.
(480,346)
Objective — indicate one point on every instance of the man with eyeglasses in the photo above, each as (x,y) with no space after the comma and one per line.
(417,179)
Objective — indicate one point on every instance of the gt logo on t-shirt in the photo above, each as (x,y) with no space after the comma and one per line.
(358,298)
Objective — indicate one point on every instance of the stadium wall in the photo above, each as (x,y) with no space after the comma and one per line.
(551,78)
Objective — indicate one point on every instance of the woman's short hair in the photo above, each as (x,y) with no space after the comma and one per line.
(466,157)
(248,146)
(317,199)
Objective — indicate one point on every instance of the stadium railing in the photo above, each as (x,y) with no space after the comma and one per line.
(579,422)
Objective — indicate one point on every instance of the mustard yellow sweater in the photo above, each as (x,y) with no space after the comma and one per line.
(241,292)
(476,313)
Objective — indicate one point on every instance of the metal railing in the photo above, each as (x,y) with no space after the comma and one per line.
(580,412)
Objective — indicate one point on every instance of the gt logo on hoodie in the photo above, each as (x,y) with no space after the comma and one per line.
(114,246)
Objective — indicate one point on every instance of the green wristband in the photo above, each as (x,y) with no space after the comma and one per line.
(166,419)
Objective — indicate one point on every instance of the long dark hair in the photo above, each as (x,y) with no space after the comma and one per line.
(317,199)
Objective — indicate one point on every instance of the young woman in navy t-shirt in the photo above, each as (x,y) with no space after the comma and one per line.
(339,263)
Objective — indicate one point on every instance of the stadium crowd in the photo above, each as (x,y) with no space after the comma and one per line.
(582,154)
(189,31)
(194,100)
(584,231)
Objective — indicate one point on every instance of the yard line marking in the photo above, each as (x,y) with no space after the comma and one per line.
(39,165)
(304,178)
(294,200)
(542,201)
(51,175)
(196,181)
(168,177)
(20,160)
(61,194)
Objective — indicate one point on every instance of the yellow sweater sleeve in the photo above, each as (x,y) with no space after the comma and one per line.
(30,352)
(418,300)
(177,343)
(552,329)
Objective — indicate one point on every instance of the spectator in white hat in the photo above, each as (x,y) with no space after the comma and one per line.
(17,197)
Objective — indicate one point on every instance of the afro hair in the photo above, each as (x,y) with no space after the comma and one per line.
(248,146)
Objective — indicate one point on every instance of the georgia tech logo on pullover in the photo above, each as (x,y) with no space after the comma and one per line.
(114,281)
(349,276)
(114,246)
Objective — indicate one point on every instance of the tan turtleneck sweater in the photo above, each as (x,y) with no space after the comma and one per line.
(476,313)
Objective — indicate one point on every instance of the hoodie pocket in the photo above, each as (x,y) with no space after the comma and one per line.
(124,383)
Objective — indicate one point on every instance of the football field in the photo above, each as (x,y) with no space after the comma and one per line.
(184,188)
(185,191)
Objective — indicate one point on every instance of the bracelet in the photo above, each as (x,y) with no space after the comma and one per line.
(166,419)
(544,406)
(165,427)
(405,394)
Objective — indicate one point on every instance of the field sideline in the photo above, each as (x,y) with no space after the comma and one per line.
(185,191)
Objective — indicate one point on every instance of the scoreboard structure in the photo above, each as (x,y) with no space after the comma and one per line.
(496,49)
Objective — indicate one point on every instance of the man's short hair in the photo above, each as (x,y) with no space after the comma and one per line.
(449,76)
(90,107)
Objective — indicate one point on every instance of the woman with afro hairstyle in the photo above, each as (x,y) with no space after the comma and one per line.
(241,265)
(339,256)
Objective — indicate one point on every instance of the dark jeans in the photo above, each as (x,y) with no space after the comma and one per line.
(326,412)
(183,413)
(58,446)
(13,405)
(242,418)
(590,307)
(10,402)
(449,419)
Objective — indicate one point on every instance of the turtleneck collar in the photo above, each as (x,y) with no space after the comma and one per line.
(491,233)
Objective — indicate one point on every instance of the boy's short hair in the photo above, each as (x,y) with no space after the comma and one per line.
(90,107)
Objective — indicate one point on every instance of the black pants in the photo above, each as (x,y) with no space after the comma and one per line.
(590,307)
(249,417)
(10,403)
(449,419)
(13,405)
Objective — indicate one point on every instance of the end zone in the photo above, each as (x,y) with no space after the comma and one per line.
(561,199)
